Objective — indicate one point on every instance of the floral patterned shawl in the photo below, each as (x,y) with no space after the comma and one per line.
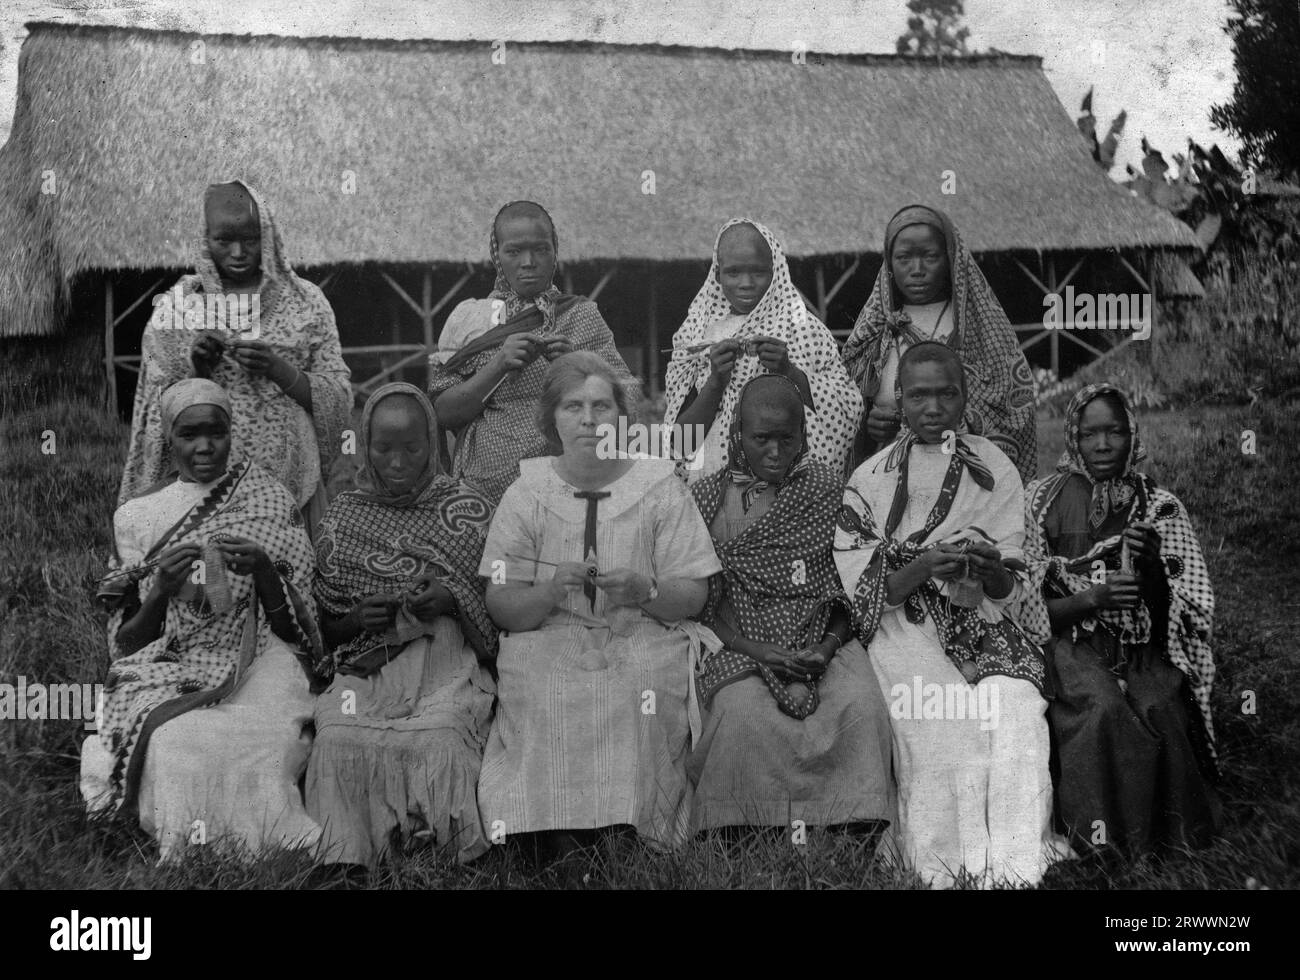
(374,541)
(268,426)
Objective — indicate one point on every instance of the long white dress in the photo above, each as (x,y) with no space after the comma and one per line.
(974,790)
(225,775)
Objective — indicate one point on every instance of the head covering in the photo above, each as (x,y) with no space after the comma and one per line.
(368,481)
(278,278)
(780,313)
(1114,494)
(739,469)
(546,300)
(188,393)
(1000,402)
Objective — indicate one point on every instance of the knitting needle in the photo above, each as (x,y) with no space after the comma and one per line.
(591,569)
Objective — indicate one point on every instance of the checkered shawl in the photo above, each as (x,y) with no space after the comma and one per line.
(1191,596)
(200,657)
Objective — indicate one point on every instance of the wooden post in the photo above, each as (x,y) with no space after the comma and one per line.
(821,292)
(426,321)
(110,368)
(1055,337)
(652,368)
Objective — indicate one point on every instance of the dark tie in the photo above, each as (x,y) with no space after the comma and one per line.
(589,538)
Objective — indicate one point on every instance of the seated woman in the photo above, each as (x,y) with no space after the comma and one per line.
(400,731)
(795,728)
(593,560)
(492,353)
(211,610)
(1121,589)
(281,365)
(929,288)
(748,319)
(929,546)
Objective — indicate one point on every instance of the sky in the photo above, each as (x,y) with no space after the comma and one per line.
(1164,61)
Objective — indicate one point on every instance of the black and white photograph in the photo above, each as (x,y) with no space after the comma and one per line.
(833,445)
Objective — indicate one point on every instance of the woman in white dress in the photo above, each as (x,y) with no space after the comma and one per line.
(929,549)
(210,600)
(594,561)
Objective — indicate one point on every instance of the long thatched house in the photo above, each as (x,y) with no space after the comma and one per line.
(386,160)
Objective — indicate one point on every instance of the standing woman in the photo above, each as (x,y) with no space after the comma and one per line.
(239,645)
(748,319)
(592,562)
(493,353)
(280,362)
(1130,638)
(929,288)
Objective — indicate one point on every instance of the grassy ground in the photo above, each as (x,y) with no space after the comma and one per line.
(54,540)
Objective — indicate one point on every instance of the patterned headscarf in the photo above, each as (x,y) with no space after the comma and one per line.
(278,277)
(368,480)
(781,313)
(188,393)
(514,303)
(1000,406)
(739,470)
(1117,493)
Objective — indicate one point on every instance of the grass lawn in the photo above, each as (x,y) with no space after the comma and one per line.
(55,512)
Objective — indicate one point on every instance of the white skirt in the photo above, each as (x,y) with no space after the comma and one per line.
(227,775)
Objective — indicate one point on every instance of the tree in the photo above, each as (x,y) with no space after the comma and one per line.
(1265,109)
(934,30)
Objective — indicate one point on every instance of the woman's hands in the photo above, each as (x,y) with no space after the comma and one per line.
(376,613)
(244,557)
(801,665)
(568,579)
(722,361)
(773,355)
(206,353)
(258,359)
(624,587)
(431,598)
(174,566)
(1119,591)
(882,425)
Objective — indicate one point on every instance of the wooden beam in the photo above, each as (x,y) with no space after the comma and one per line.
(447,296)
(147,294)
(1033,278)
(819,276)
(367,385)
(604,281)
(382,348)
(568,282)
(839,283)
(1070,275)
(1137,275)
(324,284)
(110,368)
(397,288)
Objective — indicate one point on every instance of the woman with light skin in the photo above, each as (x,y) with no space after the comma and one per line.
(593,562)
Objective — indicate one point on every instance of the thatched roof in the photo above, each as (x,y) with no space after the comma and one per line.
(439,136)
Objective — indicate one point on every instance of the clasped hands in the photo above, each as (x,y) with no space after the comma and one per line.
(427,600)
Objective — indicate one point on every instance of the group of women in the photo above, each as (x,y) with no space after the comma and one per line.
(505,630)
